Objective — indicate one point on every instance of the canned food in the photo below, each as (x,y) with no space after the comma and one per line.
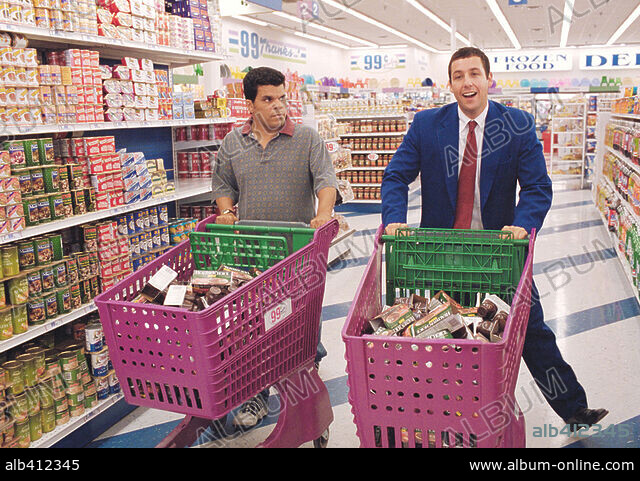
(60,274)
(39,356)
(26,255)
(163,215)
(68,361)
(35,426)
(51,176)
(19,318)
(3,381)
(23,433)
(76,300)
(64,300)
(114,384)
(51,304)
(43,250)
(14,377)
(33,400)
(31,211)
(37,182)
(100,362)
(72,376)
(102,387)
(56,206)
(18,289)
(75,396)
(52,368)
(44,208)
(48,419)
(19,408)
(60,402)
(93,335)
(36,313)
(6,324)
(62,417)
(90,388)
(72,269)
(28,369)
(10,261)
(90,401)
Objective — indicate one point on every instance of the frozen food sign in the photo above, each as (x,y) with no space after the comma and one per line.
(530,62)
(252,46)
(610,59)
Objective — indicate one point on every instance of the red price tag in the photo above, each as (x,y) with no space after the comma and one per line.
(277,314)
(332,147)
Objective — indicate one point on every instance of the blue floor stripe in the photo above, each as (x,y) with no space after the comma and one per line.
(595,317)
(568,205)
(569,227)
(573,261)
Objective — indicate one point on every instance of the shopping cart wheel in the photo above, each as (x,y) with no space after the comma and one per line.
(322,441)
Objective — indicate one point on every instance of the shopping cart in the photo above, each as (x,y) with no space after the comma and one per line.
(204,364)
(410,392)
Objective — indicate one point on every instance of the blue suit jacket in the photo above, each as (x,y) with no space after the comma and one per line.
(511,153)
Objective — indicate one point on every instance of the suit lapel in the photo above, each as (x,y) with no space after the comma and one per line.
(448,138)
(491,150)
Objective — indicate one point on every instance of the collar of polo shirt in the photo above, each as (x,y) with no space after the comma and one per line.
(288,128)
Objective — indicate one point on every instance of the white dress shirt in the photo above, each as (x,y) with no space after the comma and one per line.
(476,216)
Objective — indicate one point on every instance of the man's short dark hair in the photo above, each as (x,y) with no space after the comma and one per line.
(466,52)
(260,76)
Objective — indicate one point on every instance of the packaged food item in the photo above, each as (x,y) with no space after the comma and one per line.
(393,320)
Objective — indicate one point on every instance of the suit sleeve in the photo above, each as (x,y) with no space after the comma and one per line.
(536,190)
(401,171)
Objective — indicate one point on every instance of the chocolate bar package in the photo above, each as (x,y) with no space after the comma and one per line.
(424,322)
(393,320)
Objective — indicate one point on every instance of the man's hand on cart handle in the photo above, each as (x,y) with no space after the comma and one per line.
(228,219)
(320,220)
(392,228)
(518,232)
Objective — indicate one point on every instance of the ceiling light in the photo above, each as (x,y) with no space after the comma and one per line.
(250,20)
(428,13)
(324,29)
(625,25)
(371,21)
(566,22)
(381,47)
(493,5)
(323,40)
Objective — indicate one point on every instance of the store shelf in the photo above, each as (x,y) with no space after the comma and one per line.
(573,132)
(113,48)
(369,117)
(184,189)
(566,118)
(359,201)
(35,331)
(366,168)
(362,184)
(353,152)
(49,439)
(626,116)
(93,126)
(624,159)
(195,144)
(375,134)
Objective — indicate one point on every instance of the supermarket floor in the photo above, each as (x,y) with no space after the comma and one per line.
(587,302)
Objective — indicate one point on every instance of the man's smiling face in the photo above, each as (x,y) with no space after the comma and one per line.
(470,85)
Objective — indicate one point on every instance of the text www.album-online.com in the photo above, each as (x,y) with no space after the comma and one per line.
(576,465)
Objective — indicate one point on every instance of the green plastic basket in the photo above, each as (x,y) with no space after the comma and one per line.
(463,263)
(245,246)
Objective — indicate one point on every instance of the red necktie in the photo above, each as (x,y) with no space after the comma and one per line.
(467,181)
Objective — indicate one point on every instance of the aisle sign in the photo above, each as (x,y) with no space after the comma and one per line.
(378,62)
(253,46)
(530,62)
(610,59)
(308,9)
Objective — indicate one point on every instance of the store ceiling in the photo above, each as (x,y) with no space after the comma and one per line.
(538,24)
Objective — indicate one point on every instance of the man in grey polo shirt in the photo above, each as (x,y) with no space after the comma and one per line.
(273,170)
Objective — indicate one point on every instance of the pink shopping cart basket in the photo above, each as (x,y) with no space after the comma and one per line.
(409,392)
(203,364)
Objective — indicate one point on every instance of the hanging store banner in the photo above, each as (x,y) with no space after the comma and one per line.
(378,62)
(251,45)
(530,62)
(617,58)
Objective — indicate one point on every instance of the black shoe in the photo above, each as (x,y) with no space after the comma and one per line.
(585,418)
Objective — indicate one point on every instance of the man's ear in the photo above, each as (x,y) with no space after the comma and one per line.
(250,106)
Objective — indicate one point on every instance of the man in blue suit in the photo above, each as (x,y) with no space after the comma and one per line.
(467,187)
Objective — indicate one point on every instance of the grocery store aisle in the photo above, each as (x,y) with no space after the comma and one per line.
(587,302)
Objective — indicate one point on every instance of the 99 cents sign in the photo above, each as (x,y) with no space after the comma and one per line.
(378,62)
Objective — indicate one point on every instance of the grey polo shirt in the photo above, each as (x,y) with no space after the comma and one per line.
(279,182)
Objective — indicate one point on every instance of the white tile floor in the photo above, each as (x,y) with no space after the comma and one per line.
(586,300)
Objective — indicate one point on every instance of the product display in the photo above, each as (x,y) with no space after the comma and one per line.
(43,385)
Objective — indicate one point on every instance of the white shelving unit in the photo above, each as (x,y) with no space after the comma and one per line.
(184,189)
(567,159)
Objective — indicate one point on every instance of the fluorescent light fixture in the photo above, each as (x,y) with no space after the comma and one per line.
(566,22)
(323,40)
(324,29)
(380,25)
(432,16)
(625,25)
(493,5)
(250,20)
(381,47)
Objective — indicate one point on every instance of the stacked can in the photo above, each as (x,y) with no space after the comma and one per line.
(113,254)
(195,165)
(147,233)
(101,369)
